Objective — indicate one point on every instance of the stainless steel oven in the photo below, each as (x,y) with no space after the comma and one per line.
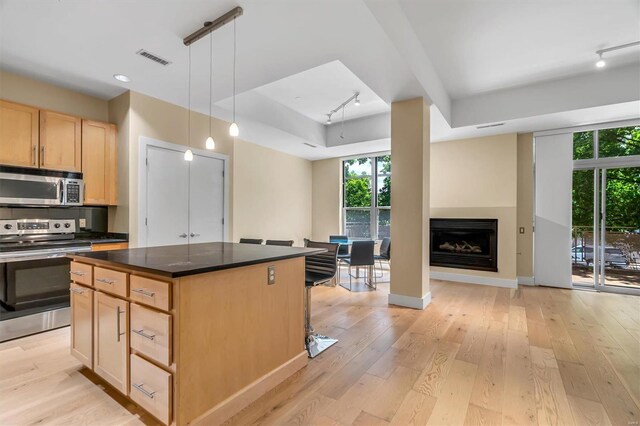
(34,274)
(38,187)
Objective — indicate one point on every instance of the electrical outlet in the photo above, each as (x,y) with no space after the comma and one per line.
(522,229)
(82,223)
(271,275)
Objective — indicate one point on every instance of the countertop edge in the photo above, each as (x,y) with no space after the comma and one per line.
(203,270)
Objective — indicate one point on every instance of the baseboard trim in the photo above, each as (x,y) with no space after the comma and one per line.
(245,396)
(410,301)
(526,281)
(474,279)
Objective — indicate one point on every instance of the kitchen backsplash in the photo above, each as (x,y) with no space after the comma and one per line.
(95,217)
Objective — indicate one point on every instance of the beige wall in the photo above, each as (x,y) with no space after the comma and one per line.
(477,178)
(272,194)
(525,205)
(119,114)
(25,90)
(327,199)
(269,191)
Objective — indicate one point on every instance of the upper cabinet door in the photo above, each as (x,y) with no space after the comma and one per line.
(99,163)
(60,146)
(18,135)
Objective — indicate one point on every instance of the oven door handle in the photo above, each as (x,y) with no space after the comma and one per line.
(40,256)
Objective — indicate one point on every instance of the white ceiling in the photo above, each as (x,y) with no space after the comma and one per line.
(315,92)
(487,56)
(481,46)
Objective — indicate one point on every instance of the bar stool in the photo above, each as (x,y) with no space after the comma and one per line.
(319,269)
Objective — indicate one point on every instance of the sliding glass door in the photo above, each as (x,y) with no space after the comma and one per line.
(605,251)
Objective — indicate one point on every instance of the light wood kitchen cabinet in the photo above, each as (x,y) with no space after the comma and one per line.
(60,141)
(99,162)
(111,340)
(18,134)
(82,324)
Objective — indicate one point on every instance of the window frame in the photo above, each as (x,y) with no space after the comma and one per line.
(374,209)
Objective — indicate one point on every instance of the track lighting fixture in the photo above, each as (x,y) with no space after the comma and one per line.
(601,63)
(356,102)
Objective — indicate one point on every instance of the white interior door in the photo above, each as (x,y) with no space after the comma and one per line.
(206,200)
(553,180)
(167,197)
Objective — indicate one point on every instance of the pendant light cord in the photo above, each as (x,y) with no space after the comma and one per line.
(210,77)
(189,100)
(234,70)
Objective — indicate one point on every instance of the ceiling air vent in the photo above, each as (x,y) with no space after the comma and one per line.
(154,58)
(490,125)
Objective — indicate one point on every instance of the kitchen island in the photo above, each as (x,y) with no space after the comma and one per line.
(190,333)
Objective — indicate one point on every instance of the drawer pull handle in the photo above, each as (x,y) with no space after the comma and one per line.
(143,334)
(76,290)
(78,273)
(143,292)
(105,280)
(141,388)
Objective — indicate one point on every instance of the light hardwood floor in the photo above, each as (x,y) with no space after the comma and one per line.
(477,355)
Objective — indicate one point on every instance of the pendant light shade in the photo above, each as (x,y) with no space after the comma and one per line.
(188,155)
(210,143)
(234,130)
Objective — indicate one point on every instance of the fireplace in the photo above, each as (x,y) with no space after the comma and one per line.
(464,244)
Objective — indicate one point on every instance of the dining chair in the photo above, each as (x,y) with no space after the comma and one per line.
(250,241)
(385,254)
(362,255)
(287,243)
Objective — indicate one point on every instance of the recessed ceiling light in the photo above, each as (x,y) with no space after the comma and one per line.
(121,77)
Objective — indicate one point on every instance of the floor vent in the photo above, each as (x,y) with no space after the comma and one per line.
(154,58)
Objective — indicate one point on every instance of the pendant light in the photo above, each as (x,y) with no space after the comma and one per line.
(188,154)
(233,128)
(210,143)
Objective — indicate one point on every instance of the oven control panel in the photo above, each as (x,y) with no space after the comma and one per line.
(37,226)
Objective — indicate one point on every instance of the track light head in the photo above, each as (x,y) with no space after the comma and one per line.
(357,101)
(328,119)
(601,62)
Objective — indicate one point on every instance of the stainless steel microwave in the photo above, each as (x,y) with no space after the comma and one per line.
(38,187)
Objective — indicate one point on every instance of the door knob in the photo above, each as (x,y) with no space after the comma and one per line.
(194,235)
(183,235)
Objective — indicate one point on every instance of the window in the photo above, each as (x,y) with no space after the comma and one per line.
(367,197)
(606,143)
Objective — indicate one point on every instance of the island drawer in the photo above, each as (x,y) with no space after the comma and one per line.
(151,388)
(81,273)
(110,281)
(150,292)
(151,333)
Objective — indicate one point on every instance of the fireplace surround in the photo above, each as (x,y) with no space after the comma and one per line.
(464,244)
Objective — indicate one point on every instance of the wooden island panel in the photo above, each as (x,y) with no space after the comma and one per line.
(252,330)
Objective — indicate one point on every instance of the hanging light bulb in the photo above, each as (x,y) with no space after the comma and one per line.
(234,130)
(210,143)
(188,155)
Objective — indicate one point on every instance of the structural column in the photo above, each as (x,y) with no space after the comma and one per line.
(410,145)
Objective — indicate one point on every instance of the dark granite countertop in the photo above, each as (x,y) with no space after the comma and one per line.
(184,260)
(102,237)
